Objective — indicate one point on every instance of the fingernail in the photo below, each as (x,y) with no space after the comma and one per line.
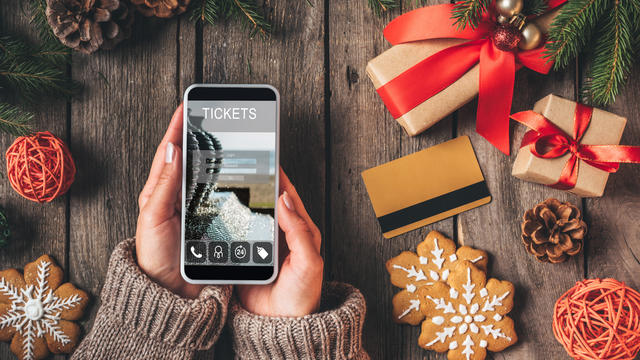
(287,201)
(168,153)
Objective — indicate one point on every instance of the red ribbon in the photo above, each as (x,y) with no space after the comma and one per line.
(435,73)
(546,140)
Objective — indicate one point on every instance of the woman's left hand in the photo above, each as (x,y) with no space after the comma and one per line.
(158,232)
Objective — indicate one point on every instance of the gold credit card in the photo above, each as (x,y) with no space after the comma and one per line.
(426,186)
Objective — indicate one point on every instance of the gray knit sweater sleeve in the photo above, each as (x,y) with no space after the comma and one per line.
(332,333)
(138,319)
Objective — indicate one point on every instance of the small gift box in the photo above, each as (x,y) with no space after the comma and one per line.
(434,68)
(571,146)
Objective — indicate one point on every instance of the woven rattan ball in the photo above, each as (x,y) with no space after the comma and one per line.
(40,167)
(598,319)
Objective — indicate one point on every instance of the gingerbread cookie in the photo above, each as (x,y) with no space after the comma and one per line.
(436,256)
(466,315)
(35,310)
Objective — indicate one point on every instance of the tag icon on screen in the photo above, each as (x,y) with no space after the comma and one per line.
(262,252)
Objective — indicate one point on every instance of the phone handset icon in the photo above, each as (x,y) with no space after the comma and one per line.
(195,253)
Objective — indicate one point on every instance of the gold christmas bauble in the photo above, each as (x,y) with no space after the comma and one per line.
(531,37)
(502,19)
(508,8)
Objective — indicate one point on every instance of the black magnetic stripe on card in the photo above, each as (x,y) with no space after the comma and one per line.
(435,206)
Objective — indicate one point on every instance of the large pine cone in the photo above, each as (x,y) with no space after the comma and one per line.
(88,25)
(553,231)
(161,8)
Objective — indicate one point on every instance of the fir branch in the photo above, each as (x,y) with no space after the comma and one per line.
(535,7)
(571,29)
(612,55)
(254,20)
(381,6)
(205,11)
(16,49)
(54,53)
(14,121)
(39,19)
(33,79)
(468,12)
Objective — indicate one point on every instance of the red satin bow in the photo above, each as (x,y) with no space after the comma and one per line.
(435,73)
(545,140)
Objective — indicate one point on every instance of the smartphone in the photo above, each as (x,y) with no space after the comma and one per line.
(230,163)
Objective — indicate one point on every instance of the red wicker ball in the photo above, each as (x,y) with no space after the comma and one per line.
(40,167)
(598,319)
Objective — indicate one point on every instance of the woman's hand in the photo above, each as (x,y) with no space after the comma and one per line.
(158,232)
(296,291)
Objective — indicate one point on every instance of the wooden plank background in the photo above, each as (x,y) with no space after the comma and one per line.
(334,126)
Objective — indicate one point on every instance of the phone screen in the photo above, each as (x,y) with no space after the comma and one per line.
(230,183)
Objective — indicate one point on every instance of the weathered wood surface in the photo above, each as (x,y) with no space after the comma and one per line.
(333,126)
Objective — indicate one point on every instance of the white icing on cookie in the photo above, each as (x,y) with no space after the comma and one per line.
(442,336)
(453,345)
(468,288)
(479,318)
(453,293)
(456,319)
(453,257)
(483,343)
(415,306)
(437,254)
(434,275)
(411,288)
(445,275)
(463,328)
(438,320)
(477,259)
(424,260)
(418,275)
(468,343)
(497,317)
(483,292)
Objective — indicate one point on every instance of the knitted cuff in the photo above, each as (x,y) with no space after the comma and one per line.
(148,311)
(334,333)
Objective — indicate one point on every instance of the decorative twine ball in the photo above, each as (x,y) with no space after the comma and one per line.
(598,319)
(40,167)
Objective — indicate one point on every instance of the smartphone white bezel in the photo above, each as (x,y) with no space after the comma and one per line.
(276,193)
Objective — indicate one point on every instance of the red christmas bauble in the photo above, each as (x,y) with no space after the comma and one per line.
(40,167)
(506,37)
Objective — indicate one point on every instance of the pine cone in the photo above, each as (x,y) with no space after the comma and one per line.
(88,25)
(553,231)
(161,8)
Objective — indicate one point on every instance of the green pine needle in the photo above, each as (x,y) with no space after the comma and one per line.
(469,12)
(381,6)
(5,230)
(534,7)
(252,19)
(14,121)
(210,11)
(32,79)
(39,19)
(204,11)
(612,55)
(570,30)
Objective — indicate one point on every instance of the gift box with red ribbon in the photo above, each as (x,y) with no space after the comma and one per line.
(571,146)
(435,67)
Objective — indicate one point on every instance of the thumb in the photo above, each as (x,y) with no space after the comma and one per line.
(299,234)
(162,203)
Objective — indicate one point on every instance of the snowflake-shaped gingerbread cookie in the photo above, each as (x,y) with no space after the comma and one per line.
(35,310)
(436,256)
(466,316)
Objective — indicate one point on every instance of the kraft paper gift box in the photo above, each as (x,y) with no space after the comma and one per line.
(401,57)
(605,129)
